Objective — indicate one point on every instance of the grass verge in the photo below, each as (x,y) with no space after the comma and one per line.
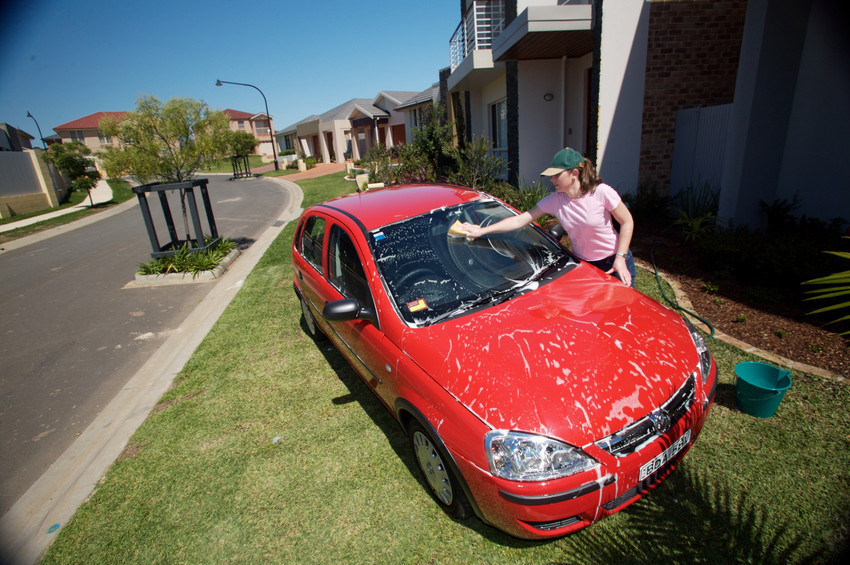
(269,449)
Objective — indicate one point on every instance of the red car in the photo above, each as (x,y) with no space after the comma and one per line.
(537,391)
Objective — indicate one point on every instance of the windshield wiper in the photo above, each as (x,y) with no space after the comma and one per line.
(493,298)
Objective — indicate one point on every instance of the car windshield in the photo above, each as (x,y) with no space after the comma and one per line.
(432,276)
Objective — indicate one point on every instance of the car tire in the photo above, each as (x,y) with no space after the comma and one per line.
(439,477)
(310,322)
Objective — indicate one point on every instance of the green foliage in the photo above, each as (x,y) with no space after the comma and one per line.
(839,285)
(72,159)
(165,142)
(696,207)
(476,167)
(185,260)
(647,204)
(241,143)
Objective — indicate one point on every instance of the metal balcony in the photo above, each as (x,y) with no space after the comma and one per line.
(482,23)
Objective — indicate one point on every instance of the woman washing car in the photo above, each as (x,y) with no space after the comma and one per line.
(585,206)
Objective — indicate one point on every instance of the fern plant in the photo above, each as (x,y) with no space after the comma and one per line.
(839,285)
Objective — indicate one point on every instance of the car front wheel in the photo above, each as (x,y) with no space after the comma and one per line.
(310,322)
(438,475)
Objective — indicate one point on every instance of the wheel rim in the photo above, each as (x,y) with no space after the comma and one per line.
(308,317)
(433,467)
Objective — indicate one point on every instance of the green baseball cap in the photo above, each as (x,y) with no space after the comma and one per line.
(566,159)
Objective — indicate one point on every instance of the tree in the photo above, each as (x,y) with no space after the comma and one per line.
(241,143)
(72,159)
(165,142)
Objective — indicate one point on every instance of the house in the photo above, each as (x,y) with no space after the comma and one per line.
(350,129)
(14,139)
(621,85)
(85,130)
(259,125)
(415,107)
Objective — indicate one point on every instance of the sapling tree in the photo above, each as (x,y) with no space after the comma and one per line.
(166,142)
(72,159)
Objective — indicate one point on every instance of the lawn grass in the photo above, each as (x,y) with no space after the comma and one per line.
(269,449)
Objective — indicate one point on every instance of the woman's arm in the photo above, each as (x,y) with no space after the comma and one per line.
(508,224)
(627,228)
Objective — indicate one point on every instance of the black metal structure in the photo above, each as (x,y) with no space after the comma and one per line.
(196,244)
(241,167)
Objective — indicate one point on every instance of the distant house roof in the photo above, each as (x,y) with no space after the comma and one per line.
(395,96)
(89,122)
(240,115)
(347,109)
(428,95)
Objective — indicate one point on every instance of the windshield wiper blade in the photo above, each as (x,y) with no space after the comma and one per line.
(493,298)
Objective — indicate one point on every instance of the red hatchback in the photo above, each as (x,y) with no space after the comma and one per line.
(537,391)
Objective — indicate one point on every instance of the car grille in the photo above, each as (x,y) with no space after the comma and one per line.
(631,437)
(555,524)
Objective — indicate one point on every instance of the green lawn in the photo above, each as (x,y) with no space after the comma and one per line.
(269,449)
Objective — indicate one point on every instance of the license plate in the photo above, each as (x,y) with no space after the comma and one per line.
(665,456)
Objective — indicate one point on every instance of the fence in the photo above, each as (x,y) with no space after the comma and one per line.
(699,148)
(28,184)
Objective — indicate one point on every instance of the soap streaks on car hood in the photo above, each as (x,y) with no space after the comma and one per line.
(577,359)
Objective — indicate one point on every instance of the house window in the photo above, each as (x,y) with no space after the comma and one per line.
(241,125)
(104,139)
(499,125)
(261,127)
(77,135)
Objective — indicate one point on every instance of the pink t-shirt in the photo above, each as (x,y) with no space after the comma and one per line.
(587,220)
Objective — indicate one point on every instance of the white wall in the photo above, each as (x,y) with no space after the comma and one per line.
(621,87)
(541,128)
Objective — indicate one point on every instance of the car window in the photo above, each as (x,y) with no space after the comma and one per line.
(312,237)
(431,275)
(346,269)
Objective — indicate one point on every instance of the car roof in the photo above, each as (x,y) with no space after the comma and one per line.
(376,208)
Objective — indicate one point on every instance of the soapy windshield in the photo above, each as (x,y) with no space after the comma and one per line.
(432,276)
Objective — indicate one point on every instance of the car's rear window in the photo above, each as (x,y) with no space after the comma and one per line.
(432,276)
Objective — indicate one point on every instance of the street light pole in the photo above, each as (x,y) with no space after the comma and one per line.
(43,144)
(268,116)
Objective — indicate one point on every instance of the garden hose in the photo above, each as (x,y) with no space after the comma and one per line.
(672,302)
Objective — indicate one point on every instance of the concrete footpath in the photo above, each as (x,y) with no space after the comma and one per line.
(29,527)
(100,194)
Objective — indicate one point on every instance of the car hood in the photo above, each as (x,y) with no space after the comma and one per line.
(577,359)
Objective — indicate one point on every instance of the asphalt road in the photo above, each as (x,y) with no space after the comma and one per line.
(74,330)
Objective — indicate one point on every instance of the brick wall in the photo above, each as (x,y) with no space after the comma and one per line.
(692,60)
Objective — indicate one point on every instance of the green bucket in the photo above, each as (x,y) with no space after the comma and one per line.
(759,388)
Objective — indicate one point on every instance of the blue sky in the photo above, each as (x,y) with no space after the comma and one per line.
(65,59)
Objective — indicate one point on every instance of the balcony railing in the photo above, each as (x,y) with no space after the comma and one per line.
(483,22)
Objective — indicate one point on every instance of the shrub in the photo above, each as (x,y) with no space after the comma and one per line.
(185,260)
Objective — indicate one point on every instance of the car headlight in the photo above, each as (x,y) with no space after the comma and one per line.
(525,457)
(702,350)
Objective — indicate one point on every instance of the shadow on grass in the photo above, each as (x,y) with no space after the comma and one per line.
(689,519)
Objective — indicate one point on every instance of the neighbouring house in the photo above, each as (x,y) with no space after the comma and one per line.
(85,130)
(27,182)
(662,93)
(347,131)
(415,108)
(14,139)
(259,125)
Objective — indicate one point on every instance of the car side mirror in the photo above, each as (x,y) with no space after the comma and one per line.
(346,310)
(557,231)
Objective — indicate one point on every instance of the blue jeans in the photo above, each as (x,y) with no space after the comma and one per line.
(607,263)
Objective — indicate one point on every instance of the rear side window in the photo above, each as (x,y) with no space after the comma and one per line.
(312,241)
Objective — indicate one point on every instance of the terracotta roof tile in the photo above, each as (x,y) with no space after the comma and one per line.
(89,122)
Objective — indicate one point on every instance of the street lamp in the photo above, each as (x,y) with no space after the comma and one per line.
(271,131)
(39,130)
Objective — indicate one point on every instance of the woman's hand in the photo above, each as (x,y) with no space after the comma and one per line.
(622,270)
(471,230)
